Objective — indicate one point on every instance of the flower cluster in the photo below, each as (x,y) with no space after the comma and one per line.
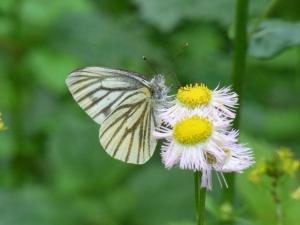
(283,163)
(197,129)
(271,173)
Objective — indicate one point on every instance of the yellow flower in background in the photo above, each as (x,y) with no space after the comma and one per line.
(257,172)
(296,194)
(2,127)
(289,165)
(226,211)
(285,153)
(282,163)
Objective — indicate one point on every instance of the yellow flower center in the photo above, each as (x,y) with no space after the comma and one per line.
(194,95)
(192,130)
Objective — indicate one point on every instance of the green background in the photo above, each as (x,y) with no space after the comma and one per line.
(52,168)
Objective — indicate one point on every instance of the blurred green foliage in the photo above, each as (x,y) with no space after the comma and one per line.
(52,168)
(273,37)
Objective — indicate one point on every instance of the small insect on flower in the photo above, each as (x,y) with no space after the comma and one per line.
(198,97)
(125,104)
(201,142)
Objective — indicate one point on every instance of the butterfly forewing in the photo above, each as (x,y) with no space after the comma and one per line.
(121,102)
(98,91)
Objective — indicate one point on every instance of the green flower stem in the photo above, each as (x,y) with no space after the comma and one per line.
(16,52)
(298,65)
(279,214)
(200,195)
(239,67)
(238,73)
(277,202)
(240,53)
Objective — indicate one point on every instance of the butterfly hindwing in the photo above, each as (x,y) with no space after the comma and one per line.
(127,133)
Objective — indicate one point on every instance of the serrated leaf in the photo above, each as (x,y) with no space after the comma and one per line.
(273,37)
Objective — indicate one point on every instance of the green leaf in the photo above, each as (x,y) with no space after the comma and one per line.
(273,37)
(78,161)
(261,195)
(198,62)
(170,190)
(97,39)
(29,206)
(33,11)
(6,27)
(51,67)
(167,14)
(6,5)
(182,223)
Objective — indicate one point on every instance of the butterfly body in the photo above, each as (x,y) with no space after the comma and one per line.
(124,104)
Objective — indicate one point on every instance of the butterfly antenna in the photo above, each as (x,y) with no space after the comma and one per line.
(150,64)
(179,53)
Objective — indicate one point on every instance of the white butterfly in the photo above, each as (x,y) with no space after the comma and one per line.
(125,104)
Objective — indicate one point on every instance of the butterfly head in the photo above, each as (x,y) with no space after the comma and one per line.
(159,88)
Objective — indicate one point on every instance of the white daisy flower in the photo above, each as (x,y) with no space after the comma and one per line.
(192,98)
(239,157)
(201,142)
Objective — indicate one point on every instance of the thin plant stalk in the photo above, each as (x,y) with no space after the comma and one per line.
(200,196)
(277,202)
(16,53)
(238,74)
(298,65)
(278,214)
